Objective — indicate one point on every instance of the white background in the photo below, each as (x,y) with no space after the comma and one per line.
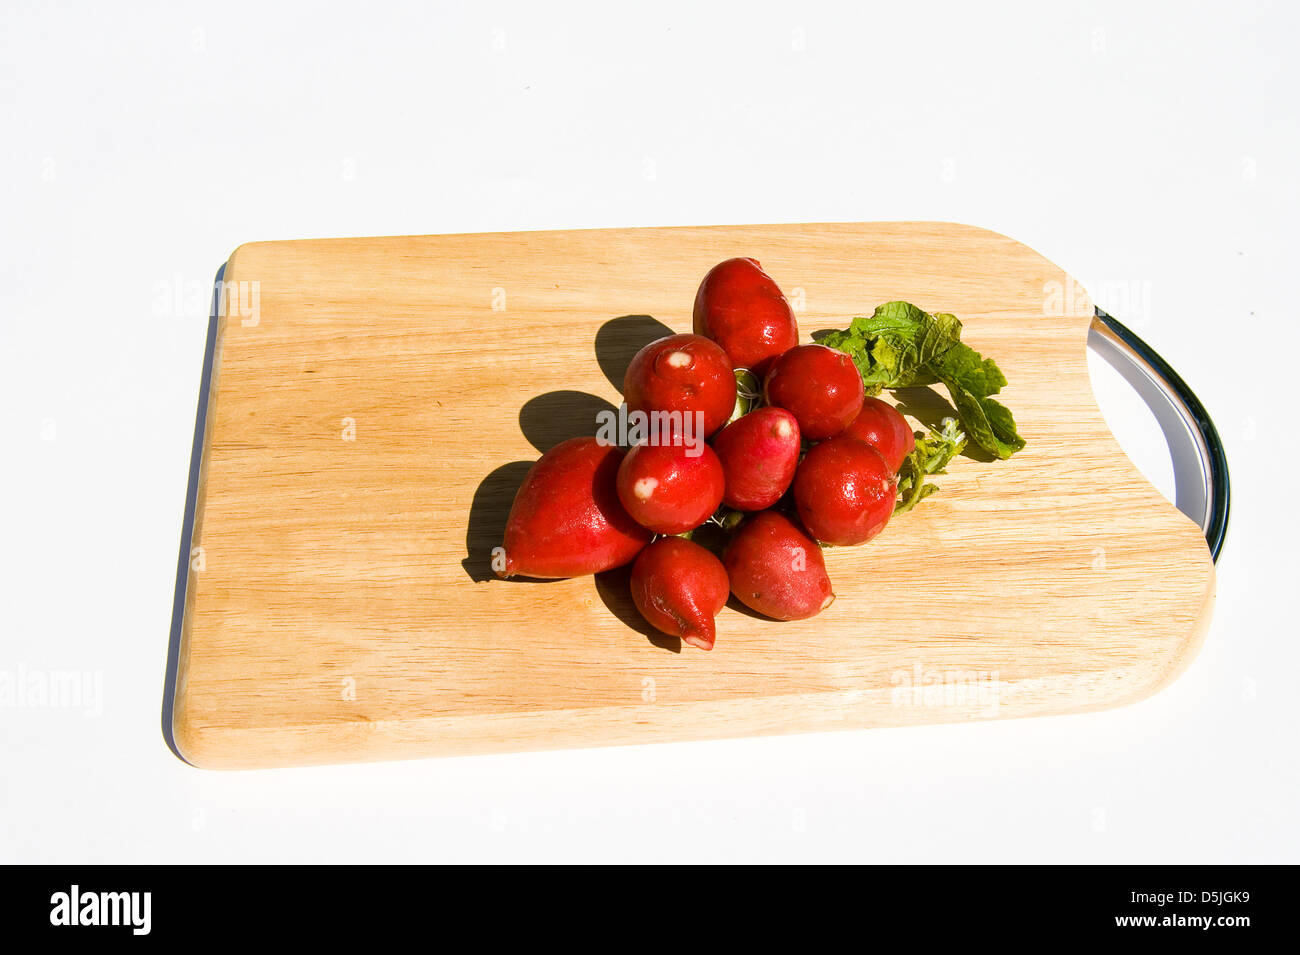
(1151,152)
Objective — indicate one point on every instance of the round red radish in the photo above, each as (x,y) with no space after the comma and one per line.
(566,520)
(883,427)
(776,569)
(742,309)
(679,587)
(820,386)
(670,489)
(844,491)
(759,452)
(685,374)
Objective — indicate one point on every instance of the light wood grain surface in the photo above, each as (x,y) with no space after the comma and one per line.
(369,424)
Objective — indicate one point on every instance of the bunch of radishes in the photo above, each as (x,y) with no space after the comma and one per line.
(587,506)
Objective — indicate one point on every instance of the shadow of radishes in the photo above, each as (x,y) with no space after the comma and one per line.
(619,339)
(557,416)
(487,518)
(615,590)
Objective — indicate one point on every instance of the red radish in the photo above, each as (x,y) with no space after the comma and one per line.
(776,569)
(820,386)
(679,587)
(566,520)
(759,452)
(743,310)
(670,489)
(845,491)
(682,373)
(883,427)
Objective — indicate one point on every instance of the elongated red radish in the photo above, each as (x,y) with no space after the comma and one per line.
(844,491)
(820,386)
(670,489)
(883,427)
(683,374)
(566,520)
(776,569)
(759,452)
(679,587)
(740,307)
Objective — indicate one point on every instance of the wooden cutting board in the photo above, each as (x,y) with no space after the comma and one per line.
(375,403)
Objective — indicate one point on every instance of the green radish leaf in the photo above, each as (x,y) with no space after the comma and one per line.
(749,393)
(930,456)
(988,422)
(903,346)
